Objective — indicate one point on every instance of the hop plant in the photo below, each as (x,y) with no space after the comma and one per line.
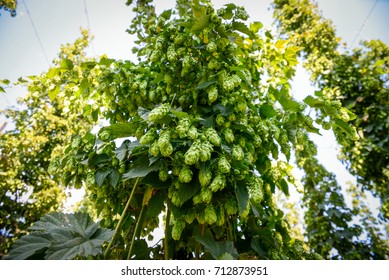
(212,136)
(192,155)
(148,137)
(192,133)
(177,229)
(159,112)
(205,175)
(210,214)
(231,206)
(218,183)
(183,127)
(256,189)
(185,175)
(205,149)
(228,135)
(212,94)
(211,47)
(237,152)
(154,149)
(223,165)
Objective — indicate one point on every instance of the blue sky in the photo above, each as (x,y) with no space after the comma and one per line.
(58,22)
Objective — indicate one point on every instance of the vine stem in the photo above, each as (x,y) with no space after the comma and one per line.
(167,234)
(135,231)
(121,219)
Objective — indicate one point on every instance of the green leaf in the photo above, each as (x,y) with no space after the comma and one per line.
(345,127)
(288,104)
(255,26)
(241,27)
(312,102)
(218,249)
(63,236)
(120,130)
(156,205)
(283,185)
(202,85)
(268,111)
(114,177)
(242,196)
(29,245)
(121,152)
(201,19)
(53,93)
(66,64)
(101,174)
(141,168)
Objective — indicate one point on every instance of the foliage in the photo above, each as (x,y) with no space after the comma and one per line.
(198,135)
(58,236)
(358,81)
(38,130)
(9,6)
(207,137)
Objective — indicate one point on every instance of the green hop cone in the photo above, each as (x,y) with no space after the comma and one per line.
(190,216)
(205,175)
(185,175)
(192,133)
(159,112)
(256,190)
(213,137)
(206,150)
(237,152)
(212,94)
(218,183)
(177,229)
(231,206)
(211,47)
(210,214)
(166,150)
(192,155)
(206,195)
(154,149)
(183,127)
(223,165)
(228,135)
(163,174)
(104,135)
(148,137)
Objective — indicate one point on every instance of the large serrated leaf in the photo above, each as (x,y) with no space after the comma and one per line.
(141,168)
(120,130)
(29,245)
(62,236)
(242,196)
(219,249)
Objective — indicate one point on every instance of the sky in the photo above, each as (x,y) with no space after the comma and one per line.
(32,39)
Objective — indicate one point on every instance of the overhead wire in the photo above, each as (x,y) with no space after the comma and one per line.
(88,24)
(364,23)
(36,33)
